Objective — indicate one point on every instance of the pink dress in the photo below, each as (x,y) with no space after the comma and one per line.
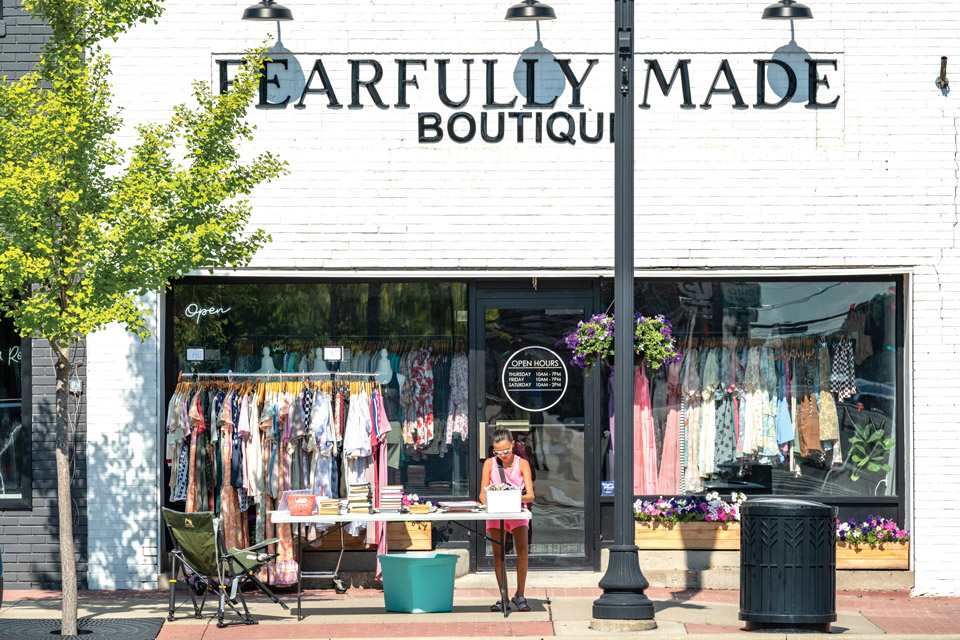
(644,442)
(514,477)
(669,481)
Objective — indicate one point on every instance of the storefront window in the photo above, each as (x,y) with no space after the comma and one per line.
(380,326)
(786,387)
(12,437)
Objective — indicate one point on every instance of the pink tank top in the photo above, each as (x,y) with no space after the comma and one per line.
(512,476)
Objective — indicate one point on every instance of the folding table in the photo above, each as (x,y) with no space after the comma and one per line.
(458,518)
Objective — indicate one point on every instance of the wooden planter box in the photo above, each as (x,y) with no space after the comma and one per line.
(401,536)
(717,536)
(889,555)
(725,536)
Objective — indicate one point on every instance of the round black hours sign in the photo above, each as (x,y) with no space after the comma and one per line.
(534,378)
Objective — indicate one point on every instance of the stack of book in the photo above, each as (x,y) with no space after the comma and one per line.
(391,498)
(358,498)
(328,506)
(464,506)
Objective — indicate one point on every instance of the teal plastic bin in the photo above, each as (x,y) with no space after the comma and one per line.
(418,582)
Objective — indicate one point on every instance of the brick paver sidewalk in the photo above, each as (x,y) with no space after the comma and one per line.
(555,612)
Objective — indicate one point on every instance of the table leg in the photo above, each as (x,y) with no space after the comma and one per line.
(299,575)
(503,569)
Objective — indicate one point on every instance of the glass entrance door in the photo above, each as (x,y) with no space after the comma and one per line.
(526,384)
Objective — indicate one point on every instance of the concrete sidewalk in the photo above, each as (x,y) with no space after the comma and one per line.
(559,609)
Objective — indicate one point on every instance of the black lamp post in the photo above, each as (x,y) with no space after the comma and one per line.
(623,584)
(623,605)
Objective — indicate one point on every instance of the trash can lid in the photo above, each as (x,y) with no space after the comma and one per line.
(785,507)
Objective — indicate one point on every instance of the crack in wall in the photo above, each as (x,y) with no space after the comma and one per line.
(956,212)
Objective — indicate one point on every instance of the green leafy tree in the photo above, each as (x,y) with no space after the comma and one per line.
(87,227)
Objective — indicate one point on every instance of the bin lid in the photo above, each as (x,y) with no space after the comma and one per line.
(786,507)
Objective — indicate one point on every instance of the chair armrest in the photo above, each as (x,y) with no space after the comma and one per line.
(259,545)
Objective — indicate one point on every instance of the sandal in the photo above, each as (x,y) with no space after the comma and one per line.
(520,603)
(497,607)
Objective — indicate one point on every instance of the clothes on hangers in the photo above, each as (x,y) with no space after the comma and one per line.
(644,446)
(740,402)
(237,446)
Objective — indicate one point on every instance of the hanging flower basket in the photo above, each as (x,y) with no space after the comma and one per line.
(592,341)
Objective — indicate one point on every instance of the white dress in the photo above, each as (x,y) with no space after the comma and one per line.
(710,377)
(357,453)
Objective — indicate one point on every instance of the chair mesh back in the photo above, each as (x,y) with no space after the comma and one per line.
(195,534)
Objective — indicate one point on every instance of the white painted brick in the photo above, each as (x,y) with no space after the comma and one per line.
(870,184)
(122,441)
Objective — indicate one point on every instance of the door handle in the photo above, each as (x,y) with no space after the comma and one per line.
(482,440)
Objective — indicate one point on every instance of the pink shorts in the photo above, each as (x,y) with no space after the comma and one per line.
(509,525)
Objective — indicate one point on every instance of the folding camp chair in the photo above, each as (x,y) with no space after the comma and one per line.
(208,567)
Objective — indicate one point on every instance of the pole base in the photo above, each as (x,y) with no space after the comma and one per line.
(623,586)
(621,626)
(788,627)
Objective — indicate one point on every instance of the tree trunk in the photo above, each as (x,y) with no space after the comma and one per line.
(68,564)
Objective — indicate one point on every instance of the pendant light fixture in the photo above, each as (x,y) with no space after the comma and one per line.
(531,10)
(267,11)
(787,10)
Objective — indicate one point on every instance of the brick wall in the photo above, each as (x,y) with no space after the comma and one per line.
(21,38)
(30,537)
(122,449)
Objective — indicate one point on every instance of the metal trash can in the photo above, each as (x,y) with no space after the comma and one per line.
(788,565)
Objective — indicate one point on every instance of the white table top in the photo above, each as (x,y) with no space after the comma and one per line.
(283,517)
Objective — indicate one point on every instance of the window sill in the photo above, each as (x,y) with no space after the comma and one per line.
(15,504)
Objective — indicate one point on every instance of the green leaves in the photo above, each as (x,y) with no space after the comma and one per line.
(868,449)
(89,227)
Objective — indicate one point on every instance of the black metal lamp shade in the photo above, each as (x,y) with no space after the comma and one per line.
(531,10)
(787,10)
(267,11)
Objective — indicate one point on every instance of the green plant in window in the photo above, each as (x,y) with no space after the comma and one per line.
(869,449)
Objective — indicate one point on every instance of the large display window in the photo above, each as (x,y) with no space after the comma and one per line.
(14,436)
(786,387)
(386,328)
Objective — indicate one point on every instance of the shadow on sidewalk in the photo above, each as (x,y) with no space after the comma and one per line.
(663,605)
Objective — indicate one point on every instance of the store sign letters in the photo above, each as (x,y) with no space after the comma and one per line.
(500,113)
(12,356)
(195,311)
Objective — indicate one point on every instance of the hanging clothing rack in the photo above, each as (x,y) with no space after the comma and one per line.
(281,375)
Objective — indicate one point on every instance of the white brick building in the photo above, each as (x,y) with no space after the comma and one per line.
(866,190)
